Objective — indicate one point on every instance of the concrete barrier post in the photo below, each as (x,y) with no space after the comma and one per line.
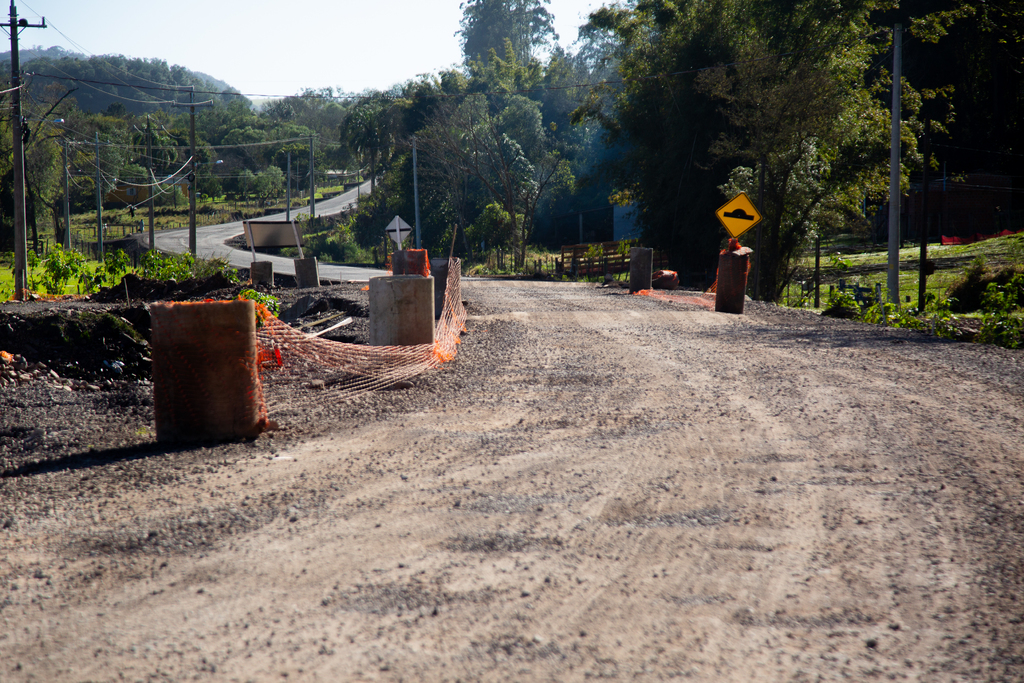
(439,271)
(205,375)
(262,272)
(732,281)
(641,263)
(401,310)
(307,273)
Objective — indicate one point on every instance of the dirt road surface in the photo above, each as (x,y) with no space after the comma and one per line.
(598,486)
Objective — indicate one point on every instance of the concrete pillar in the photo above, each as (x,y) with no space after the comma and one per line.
(307,273)
(732,281)
(439,271)
(401,310)
(410,262)
(205,376)
(262,272)
(641,262)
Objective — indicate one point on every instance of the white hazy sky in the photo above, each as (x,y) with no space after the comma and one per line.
(277,48)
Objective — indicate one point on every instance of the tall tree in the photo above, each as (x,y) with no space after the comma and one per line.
(500,142)
(486,24)
(797,93)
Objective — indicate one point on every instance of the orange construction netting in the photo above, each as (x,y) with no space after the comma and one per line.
(298,368)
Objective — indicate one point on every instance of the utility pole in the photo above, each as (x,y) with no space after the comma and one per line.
(152,186)
(192,104)
(67,201)
(415,193)
(922,277)
(757,248)
(99,201)
(20,240)
(288,192)
(312,184)
(893,280)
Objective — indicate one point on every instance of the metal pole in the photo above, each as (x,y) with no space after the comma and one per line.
(416,193)
(757,248)
(922,278)
(288,193)
(67,201)
(192,174)
(893,280)
(152,187)
(99,202)
(581,228)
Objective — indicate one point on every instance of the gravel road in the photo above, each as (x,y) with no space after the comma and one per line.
(598,486)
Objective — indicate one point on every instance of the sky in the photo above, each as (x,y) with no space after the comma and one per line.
(275,49)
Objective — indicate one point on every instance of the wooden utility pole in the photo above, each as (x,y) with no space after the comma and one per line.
(152,186)
(288,192)
(67,201)
(312,184)
(99,202)
(193,165)
(760,207)
(20,239)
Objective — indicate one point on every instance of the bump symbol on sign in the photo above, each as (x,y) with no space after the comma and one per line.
(740,214)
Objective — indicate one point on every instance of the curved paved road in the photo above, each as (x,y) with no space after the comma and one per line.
(210,241)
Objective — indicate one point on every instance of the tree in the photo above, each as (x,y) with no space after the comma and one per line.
(501,143)
(370,131)
(487,24)
(268,184)
(798,93)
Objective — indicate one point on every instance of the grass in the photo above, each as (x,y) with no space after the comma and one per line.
(869,268)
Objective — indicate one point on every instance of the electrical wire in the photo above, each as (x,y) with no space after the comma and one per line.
(382,97)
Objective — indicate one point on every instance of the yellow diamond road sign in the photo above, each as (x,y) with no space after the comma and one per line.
(738,215)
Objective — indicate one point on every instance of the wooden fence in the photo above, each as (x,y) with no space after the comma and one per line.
(611,257)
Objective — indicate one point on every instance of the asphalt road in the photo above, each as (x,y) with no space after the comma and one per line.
(211,241)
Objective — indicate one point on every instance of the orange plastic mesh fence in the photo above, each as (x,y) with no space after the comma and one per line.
(298,369)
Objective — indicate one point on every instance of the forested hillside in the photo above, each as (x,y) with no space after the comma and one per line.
(140,85)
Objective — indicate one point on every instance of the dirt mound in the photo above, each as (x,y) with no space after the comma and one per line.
(137,288)
(81,344)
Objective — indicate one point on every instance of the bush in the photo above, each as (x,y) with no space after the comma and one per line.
(969,289)
(59,268)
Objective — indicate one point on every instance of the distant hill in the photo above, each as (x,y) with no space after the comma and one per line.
(106,79)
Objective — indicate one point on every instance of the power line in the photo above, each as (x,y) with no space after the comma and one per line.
(593,84)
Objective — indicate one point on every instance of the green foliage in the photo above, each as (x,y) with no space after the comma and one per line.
(838,262)
(115,264)
(969,291)
(61,267)
(157,266)
(271,302)
(842,299)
